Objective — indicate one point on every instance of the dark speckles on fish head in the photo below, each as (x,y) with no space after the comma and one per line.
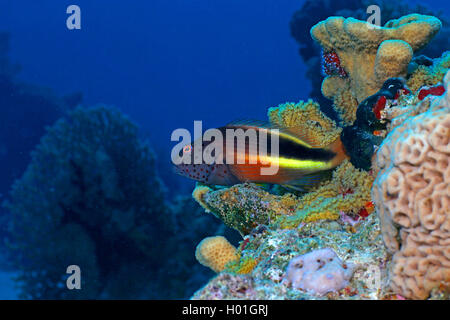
(209,173)
(198,172)
(192,165)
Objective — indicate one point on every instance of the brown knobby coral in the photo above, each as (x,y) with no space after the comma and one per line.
(370,54)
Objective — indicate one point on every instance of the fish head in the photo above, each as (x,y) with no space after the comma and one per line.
(203,166)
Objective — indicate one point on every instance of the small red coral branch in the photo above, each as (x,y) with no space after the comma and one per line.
(332,64)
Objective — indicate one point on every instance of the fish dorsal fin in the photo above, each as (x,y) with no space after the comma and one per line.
(311,140)
(299,134)
(251,123)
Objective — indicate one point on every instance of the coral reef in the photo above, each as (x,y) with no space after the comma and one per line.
(91,197)
(371,55)
(347,191)
(272,249)
(244,207)
(411,194)
(401,251)
(318,272)
(215,253)
(313,11)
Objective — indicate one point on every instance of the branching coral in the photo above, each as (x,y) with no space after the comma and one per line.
(412,196)
(370,55)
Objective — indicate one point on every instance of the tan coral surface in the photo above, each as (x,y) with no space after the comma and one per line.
(215,253)
(412,196)
(369,54)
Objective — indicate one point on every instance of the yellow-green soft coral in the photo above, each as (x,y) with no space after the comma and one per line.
(429,76)
(348,191)
(306,115)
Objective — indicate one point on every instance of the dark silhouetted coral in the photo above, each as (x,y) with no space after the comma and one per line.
(26,110)
(90,197)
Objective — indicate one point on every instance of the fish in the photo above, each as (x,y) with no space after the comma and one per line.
(299,163)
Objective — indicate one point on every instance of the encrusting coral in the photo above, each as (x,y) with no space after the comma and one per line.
(412,196)
(348,191)
(370,54)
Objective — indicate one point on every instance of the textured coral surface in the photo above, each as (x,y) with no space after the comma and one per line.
(318,272)
(412,196)
(370,55)
(215,253)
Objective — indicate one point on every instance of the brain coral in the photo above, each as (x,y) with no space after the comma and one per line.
(215,253)
(319,271)
(412,195)
(369,54)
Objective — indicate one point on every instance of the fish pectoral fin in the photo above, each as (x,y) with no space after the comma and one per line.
(294,188)
(308,182)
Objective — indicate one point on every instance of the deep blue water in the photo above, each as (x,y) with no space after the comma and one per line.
(165,63)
